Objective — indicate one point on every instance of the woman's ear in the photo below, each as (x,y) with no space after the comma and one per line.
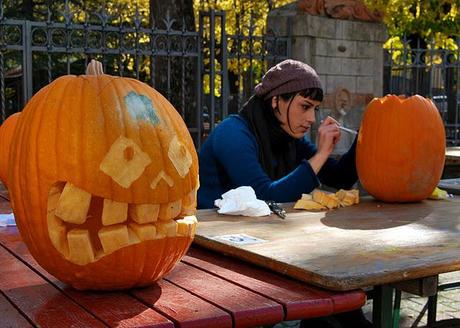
(275,102)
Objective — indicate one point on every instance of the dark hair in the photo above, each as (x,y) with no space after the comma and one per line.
(313,93)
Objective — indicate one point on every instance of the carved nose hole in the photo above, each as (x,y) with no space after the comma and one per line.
(129,153)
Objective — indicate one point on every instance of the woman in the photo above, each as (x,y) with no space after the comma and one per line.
(266,146)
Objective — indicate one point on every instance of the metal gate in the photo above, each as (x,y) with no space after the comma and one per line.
(190,68)
(423,69)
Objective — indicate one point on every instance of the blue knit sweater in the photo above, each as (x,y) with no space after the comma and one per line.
(229,159)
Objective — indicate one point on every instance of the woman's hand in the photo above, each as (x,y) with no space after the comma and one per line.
(328,136)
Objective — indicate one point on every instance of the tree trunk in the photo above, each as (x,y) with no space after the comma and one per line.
(178,10)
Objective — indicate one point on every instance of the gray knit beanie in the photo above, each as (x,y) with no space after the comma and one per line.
(285,77)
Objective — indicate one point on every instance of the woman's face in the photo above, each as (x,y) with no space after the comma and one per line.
(300,117)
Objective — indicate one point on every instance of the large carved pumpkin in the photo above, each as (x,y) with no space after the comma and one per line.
(401,148)
(105,178)
(6,135)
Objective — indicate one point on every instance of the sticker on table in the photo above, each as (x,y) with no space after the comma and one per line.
(7,220)
(240,239)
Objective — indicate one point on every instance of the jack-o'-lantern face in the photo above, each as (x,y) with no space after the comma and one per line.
(106,177)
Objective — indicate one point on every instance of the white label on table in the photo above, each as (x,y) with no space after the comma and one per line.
(240,239)
(7,220)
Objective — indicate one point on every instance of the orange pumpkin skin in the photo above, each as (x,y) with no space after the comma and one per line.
(64,135)
(6,135)
(401,148)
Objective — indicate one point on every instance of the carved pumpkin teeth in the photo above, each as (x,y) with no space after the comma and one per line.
(115,237)
(144,213)
(168,228)
(144,231)
(189,204)
(58,233)
(170,210)
(121,224)
(73,204)
(53,196)
(114,212)
(186,226)
(81,250)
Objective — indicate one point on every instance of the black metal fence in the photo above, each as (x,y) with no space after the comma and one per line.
(420,68)
(189,67)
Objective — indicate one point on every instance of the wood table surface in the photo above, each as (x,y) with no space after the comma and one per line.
(205,289)
(368,244)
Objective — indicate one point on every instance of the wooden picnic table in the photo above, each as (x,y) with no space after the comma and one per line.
(206,289)
(372,244)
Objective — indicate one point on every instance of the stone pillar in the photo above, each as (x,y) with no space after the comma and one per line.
(343,42)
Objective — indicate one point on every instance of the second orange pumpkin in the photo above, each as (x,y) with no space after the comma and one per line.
(6,136)
(401,148)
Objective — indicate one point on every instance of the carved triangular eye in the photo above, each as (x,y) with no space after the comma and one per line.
(125,162)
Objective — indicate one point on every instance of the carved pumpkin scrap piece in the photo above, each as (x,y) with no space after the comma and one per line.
(348,197)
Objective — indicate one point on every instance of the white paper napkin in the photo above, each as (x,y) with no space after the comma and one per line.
(241,201)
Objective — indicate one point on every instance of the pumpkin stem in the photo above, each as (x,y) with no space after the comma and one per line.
(94,68)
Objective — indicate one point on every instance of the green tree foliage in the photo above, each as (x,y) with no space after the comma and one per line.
(426,21)
(38,10)
(243,17)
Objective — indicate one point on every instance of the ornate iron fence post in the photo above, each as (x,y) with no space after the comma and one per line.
(2,65)
(27,60)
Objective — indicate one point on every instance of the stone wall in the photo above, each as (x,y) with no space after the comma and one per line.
(347,54)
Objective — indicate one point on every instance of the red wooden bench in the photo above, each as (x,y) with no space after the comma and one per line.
(205,289)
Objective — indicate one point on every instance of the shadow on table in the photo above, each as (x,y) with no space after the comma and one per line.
(374,215)
(448,323)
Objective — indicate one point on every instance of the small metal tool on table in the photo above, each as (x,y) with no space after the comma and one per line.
(276,208)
